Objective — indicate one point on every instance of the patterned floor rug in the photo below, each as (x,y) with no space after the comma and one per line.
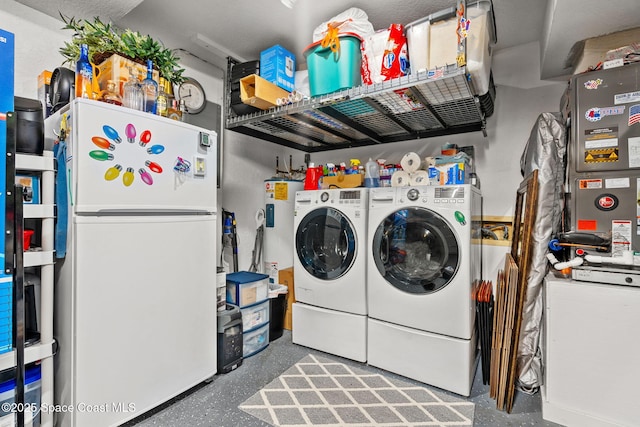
(318,391)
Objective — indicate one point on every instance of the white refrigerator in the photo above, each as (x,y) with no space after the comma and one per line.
(135,297)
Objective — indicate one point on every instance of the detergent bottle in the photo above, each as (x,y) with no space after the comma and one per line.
(371,174)
(311,179)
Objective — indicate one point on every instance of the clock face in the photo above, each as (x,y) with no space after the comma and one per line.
(193,95)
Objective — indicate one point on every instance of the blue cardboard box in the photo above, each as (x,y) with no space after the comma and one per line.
(7,75)
(447,174)
(278,66)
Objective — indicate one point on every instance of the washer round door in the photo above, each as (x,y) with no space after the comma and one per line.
(326,243)
(416,250)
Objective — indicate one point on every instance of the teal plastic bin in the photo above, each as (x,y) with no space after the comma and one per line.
(332,71)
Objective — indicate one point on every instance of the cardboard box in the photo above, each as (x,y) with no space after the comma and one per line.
(257,92)
(285,277)
(44,80)
(278,65)
(447,174)
(342,181)
(589,53)
(116,68)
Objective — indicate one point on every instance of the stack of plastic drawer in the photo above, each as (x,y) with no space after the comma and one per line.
(250,292)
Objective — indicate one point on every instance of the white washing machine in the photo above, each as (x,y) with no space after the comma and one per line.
(329,265)
(422,271)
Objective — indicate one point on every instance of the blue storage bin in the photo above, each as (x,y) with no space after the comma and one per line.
(245,288)
(255,315)
(329,71)
(255,341)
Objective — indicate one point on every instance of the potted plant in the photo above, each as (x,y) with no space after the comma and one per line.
(105,40)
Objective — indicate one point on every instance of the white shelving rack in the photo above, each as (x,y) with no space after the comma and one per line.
(42,257)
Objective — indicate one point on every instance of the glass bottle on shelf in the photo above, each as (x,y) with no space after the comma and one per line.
(183,111)
(161,102)
(84,74)
(174,112)
(132,91)
(110,94)
(149,90)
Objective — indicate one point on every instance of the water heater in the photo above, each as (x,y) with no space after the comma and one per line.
(279,197)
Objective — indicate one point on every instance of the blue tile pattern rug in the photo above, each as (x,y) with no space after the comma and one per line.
(318,391)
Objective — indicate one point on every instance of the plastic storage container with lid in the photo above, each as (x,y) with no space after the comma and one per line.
(246,288)
(333,71)
(417,33)
(443,42)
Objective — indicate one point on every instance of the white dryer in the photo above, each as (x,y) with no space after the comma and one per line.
(329,265)
(422,271)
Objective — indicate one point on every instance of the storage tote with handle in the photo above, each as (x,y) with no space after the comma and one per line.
(334,70)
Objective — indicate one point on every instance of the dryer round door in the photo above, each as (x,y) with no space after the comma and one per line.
(326,243)
(416,250)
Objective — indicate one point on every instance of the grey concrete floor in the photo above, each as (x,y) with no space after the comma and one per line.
(215,404)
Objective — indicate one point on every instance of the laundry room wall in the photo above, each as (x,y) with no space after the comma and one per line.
(247,162)
(520,97)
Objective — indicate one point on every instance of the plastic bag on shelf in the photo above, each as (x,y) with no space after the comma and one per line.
(353,21)
(384,55)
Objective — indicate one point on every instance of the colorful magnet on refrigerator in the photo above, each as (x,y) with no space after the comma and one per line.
(127,178)
(145,137)
(100,155)
(153,166)
(146,177)
(112,173)
(155,149)
(111,133)
(103,143)
(130,131)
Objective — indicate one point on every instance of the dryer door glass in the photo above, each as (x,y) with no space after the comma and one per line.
(326,243)
(416,250)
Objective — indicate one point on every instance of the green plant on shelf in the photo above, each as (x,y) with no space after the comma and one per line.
(104,40)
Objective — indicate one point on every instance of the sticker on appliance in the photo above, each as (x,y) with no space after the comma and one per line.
(634,114)
(633,144)
(617,183)
(602,155)
(589,184)
(601,137)
(625,98)
(596,113)
(620,237)
(638,206)
(282,191)
(593,84)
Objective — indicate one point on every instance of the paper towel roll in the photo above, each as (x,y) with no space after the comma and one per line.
(419,178)
(410,162)
(400,179)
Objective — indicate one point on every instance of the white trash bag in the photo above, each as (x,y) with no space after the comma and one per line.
(354,21)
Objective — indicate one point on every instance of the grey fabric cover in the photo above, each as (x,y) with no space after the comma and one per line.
(545,151)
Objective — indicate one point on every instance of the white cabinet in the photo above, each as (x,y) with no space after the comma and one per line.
(42,257)
(591,346)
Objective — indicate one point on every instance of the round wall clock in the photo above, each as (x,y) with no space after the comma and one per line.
(193,95)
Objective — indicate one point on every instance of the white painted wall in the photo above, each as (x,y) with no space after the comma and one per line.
(247,161)
(520,98)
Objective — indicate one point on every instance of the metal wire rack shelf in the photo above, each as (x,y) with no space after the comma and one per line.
(427,104)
